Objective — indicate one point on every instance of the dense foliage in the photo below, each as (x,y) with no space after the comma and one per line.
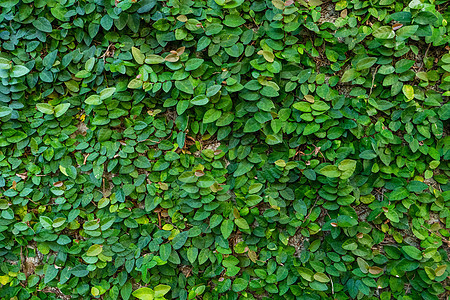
(224,149)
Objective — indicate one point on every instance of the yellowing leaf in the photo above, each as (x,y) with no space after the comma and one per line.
(440,270)
(4,279)
(408,91)
(374,270)
(267,55)
(94,250)
(309,98)
(167,227)
(137,55)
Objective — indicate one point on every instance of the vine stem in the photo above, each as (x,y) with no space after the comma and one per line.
(373,81)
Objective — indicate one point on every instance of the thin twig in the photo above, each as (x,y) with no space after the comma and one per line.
(439,235)
(424,56)
(312,207)
(373,80)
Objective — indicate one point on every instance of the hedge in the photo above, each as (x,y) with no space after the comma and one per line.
(224,149)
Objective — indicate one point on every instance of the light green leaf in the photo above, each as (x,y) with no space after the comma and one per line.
(144,293)
(94,250)
(241,223)
(5,111)
(349,75)
(330,171)
(212,115)
(154,59)
(61,109)
(42,24)
(45,108)
(19,71)
(365,63)
(161,290)
(93,100)
(137,55)
(106,93)
(384,32)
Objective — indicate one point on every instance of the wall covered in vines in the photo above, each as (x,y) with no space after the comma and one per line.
(224,149)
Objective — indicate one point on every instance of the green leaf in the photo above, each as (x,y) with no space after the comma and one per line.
(368,154)
(46,222)
(135,84)
(45,108)
(416,186)
(5,64)
(179,240)
(233,20)
(384,32)
(83,74)
(42,24)
(50,273)
(161,290)
(252,125)
(241,223)
(306,273)
(311,128)
(212,90)
(154,59)
(406,31)
(200,100)
(330,171)
(365,63)
(89,65)
(320,106)
(347,164)
(185,86)
(346,221)
(399,194)
(243,168)
(211,115)
(137,55)
(412,252)
(403,65)
(61,109)
(444,112)
(321,277)
(5,111)
(192,254)
(106,22)
(106,93)
(203,42)
(144,293)
(79,271)
(93,100)
(226,228)
(239,284)
(193,64)
(302,106)
(349,75)
(19,71)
